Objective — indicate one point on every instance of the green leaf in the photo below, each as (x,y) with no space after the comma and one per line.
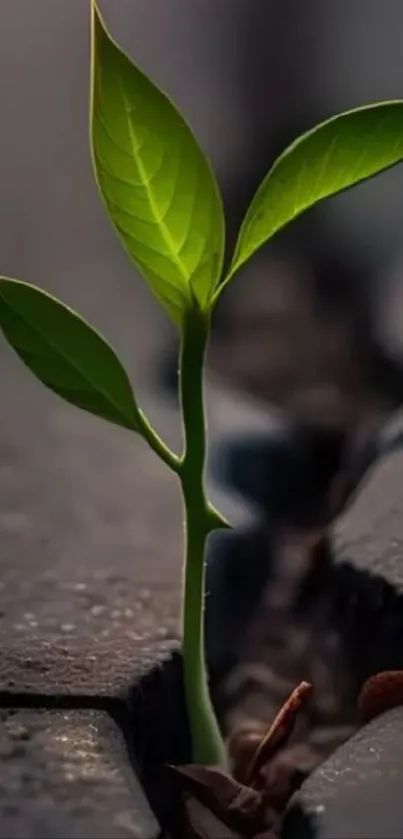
(332,157)
(65,353)
(157,185)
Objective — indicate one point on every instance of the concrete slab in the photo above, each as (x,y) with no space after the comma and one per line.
(86,575)
(356,793)
(370,534)
(65,775)
(91,547)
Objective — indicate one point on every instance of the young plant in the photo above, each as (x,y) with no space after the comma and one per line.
(162,199)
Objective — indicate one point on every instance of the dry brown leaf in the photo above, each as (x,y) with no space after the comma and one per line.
(219,806)
(236,805)
(277,735)
(202,823)
(380,693)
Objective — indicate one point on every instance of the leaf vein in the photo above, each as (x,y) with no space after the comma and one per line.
(151,199)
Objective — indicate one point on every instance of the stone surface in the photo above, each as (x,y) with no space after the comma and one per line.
(357,792)
(65,775)
(91,549)
(370,534)
(87,669)
(83,566)
(85,579)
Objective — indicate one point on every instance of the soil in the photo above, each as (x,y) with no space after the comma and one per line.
(293,637)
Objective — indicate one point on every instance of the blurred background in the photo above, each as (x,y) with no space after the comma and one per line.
(312,326)
(249,77)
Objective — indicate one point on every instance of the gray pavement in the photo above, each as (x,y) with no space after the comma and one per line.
(66,776)
(370,533)
(356,794)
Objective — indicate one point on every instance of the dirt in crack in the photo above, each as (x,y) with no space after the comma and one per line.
(293,636)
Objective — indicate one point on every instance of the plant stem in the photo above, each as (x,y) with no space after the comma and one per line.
(157,444)
(207,744)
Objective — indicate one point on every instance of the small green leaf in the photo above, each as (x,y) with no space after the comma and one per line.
(332,157)
(65,353)
(157,185)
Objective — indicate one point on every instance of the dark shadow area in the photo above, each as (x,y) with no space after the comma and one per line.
(298,824)
(157,734)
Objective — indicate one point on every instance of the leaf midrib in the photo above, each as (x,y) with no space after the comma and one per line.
(149,193)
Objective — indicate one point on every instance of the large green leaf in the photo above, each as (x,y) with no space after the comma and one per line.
(330,158)
(65,353)
(157,185)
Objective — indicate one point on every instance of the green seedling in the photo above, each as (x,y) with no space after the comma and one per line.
(162,199)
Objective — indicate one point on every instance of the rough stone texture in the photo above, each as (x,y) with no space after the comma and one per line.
(65,775)
(370,534)
(87,669)
(82,562)
(85,576)
(356,794)
(91,546)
